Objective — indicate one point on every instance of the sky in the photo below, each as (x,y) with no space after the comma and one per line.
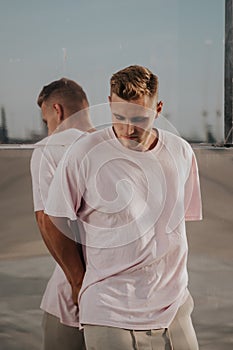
(182,41)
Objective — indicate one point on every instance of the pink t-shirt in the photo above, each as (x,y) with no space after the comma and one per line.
(133,206)
(57,299)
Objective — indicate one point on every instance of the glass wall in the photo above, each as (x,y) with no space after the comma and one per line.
(182,41)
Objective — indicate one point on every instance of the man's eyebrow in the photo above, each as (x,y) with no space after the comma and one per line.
(132,118)
(118,115)
(139,116)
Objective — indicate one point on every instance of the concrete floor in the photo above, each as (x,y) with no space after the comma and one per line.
(25,266)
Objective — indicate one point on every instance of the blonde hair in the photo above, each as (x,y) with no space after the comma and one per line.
(134,82)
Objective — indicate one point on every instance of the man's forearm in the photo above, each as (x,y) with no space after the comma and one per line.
(65,252)
(45,235)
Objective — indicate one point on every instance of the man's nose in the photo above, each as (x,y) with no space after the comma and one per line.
(129,129)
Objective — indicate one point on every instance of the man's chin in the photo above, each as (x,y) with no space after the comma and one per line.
(129,143)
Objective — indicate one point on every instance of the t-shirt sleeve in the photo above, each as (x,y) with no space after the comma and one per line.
(42,172)
(66,190)
(193,204)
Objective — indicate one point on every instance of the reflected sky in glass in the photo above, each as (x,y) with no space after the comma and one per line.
(182,41)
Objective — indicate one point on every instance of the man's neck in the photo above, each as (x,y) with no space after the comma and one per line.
(149,143)
(154,140)
(76,121)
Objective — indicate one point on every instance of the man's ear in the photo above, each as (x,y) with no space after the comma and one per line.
(109,99)
(59,111)
(159,107)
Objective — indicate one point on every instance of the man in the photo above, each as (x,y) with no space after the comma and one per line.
(64,106)
(132,187)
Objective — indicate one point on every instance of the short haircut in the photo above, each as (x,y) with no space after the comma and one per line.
(134,82)
(64,91)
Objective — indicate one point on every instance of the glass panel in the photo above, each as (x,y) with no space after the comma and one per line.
(181,41)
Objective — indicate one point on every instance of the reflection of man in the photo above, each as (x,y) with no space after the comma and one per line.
(132,187)
(59,101)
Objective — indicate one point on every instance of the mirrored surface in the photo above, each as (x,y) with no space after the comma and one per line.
(181,41)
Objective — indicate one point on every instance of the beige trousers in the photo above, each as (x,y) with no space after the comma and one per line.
(179,336)
(181,332)
(57,336)
(111,338)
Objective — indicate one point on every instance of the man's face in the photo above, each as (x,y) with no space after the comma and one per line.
(133,120)
(50,117)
